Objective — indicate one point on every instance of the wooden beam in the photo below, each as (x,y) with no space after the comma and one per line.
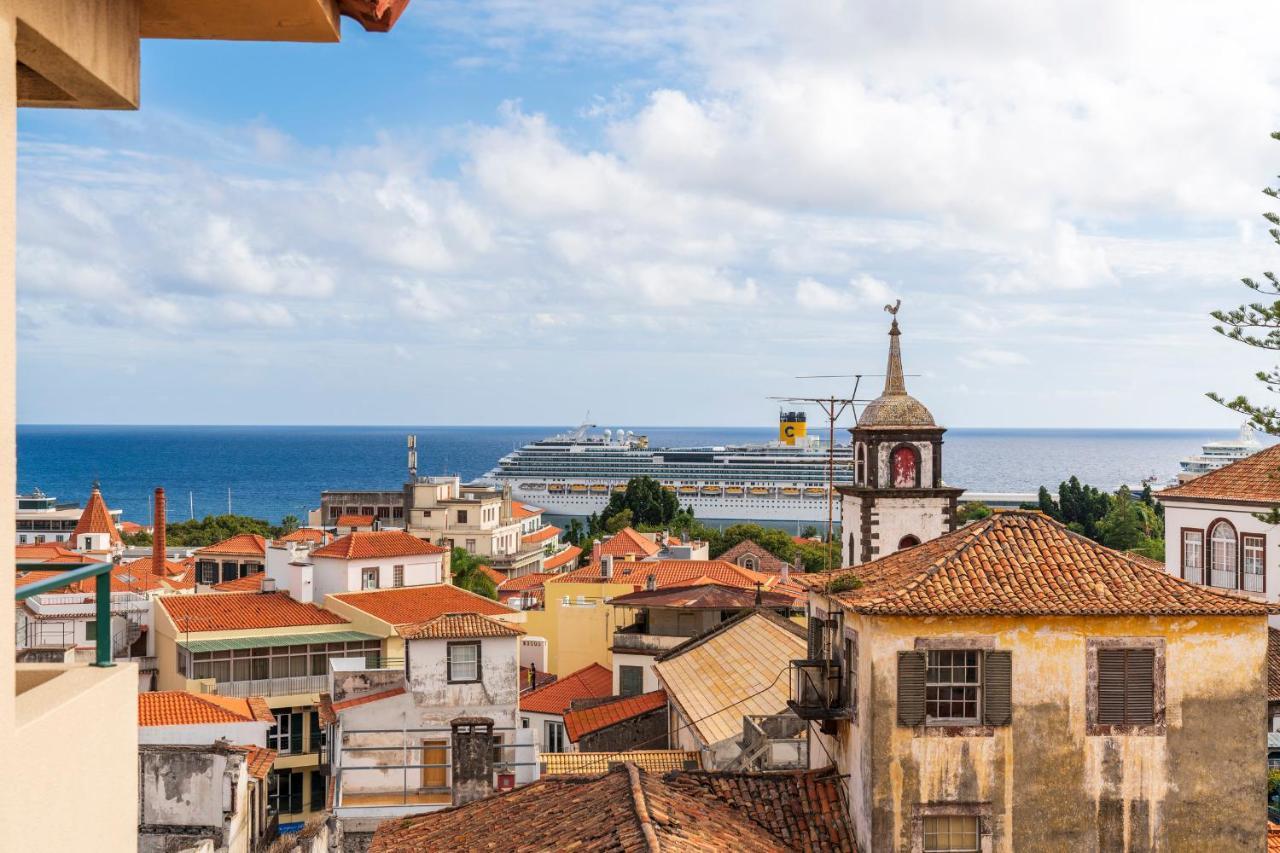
(78,53)
(241,20)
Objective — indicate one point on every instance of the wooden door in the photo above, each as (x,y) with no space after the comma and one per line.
(435,752)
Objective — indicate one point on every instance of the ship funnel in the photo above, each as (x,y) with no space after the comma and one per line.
(792,428)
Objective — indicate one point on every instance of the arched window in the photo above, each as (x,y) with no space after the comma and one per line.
(860,464)
(1222,555)
(749,562)
(908,541)
(904,467)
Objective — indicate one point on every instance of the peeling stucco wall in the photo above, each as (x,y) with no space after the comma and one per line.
(1050,786)
(188,793)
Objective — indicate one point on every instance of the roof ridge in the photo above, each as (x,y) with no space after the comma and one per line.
(641,806)
(970,537)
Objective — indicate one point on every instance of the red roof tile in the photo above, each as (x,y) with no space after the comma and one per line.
(542,534)
(334,707)
(1021,562)
(1254,479)
(1273,837)
(179,708)
(308,534)
(677,573)
(248,583)
(562,558)
(492,574)
(520,510)
(597,717)
(370,545)
(532,580)
(50,552)
(629,543)
(240,545)
(259,760)
(1273,665)
(96,519)
(590,682)
(168,568)
(765,560)
(220,612)
(458,626)
(410,604)
(354,521)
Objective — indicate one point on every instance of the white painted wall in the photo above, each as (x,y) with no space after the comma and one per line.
(892,518)
(333,575)
(1201,516)
(496,695)
(645,662)
(240,734)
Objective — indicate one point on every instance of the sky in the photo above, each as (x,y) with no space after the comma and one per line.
(515,211)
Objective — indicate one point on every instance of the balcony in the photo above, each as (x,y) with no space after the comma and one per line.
(629,639)
(817,690)
(273,686)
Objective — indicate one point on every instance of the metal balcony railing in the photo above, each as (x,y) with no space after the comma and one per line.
(101,572)
(273,686)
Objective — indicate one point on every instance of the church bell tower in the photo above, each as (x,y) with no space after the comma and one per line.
(898,498)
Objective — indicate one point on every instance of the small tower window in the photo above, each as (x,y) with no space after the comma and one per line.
(908,541)
(860,464)
(904,467)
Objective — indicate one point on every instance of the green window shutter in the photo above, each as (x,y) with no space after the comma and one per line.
(1139,687)
(997,688)
(816,627)
(911,667)
(1111,687)
(295,734)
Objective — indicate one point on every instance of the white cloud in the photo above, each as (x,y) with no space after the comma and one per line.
(862,292)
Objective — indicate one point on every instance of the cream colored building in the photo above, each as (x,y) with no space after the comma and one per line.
(478,519)
(85,54)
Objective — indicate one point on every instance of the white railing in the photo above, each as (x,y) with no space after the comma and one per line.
(79,605)
(274,686)
(1223,579)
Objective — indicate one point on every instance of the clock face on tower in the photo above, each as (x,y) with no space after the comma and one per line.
(903,466)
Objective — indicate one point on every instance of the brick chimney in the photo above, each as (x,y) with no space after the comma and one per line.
(158,532)
(596,551)
(472,758)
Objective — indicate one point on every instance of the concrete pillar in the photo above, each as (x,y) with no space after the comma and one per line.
(472,758)
(8,360)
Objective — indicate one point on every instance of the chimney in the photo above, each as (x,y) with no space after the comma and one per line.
(596,550)
(158,541)
(472,758)
(651,582)
(606,566)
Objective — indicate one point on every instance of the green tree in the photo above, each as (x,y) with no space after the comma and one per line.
(215,528)
(818,556)
(972,511)
(288,524)
(650,504)
(465,568)
(810,532)
(618,520)
(1048,505)
(1122,527)
(776,542)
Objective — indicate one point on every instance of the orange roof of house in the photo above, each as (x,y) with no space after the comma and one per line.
(412,604)
(370,545)
(1273,665)
(124,578)
(590,682)
(364,700)
(259,760)
(354,521)
(562,558)
(248,583)
(240,545)
(629,543)
(131,527)
(542,534)
(588,720)
(50,552)
(1254,480)
(308,534)
(521,510)
(96,519)
(217,612)
(1273,837)
(678,573)
(458,626)
(179,708)
(1021,562)
(523,582)
(766,561)
(168,568)
(492,574)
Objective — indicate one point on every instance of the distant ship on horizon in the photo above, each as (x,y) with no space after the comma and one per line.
(1218,454)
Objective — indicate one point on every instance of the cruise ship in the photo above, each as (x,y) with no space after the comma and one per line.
(575,473)
(1217,454)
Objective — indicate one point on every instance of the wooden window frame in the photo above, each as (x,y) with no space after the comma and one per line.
(1241,549)
(1157,728)
(1208,546)
(1182,555)
(448,661)
(952,729)
(982,811)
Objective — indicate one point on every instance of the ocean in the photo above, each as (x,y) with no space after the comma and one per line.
(271,472)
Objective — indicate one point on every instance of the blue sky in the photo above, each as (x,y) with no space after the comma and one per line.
(511,211)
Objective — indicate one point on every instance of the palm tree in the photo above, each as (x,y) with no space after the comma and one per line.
(465,568)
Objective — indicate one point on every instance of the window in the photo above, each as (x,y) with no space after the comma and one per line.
(397,576)
(471,545)
(552,736)
(317,733)
(686,624)
(524,722)
(317,790)
(285,792)
(1193,555)
(208,571)
(464,663)
(1126,687)
(1254,562)
(904,467)
(285,737)
(1222,542)
(953,686)
(951,834)
(368,578)
(91,631)
(908,541)
(462,516)
(630,680)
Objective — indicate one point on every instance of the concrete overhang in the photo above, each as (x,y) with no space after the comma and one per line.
(241,20)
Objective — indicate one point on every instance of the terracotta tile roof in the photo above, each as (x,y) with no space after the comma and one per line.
(368,545)
(240,545)
(248,583)
(23,578)
(354,521)
(1254,479)
(630,811)
(458,626)
(131,527)
(259,760)
(1273,837)
(137,576)
(308,534)
(766,561)
(335,707)
(1273,665)
(96,519)
(737,668)
(519,510)
(532,679)
(167,569)
(124,578)
(562,558)
(703,596)
(679,573)
(649,760)
(411,604)
(48,552)
(532,580)
(325,710)
(542,534)
(590,682)
(217,612)
(492,574)
(179,708)
(627,542)
(1021,562)
(597,717)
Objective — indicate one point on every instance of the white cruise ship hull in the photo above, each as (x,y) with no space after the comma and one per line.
(775,506)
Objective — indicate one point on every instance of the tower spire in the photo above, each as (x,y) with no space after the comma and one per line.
(893,379)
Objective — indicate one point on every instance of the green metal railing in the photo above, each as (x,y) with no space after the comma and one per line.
(101,597)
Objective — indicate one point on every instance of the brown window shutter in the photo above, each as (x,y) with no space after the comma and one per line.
(911,666)
(1140,687)
(997,688)
(1111,686)
(816,627)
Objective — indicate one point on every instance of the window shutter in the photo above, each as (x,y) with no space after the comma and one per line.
(997,688)
(1139,687)
(911,666)
(295,733)
(1111,687)
(816,627)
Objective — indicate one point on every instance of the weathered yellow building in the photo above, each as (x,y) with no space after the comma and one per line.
(1013,686)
